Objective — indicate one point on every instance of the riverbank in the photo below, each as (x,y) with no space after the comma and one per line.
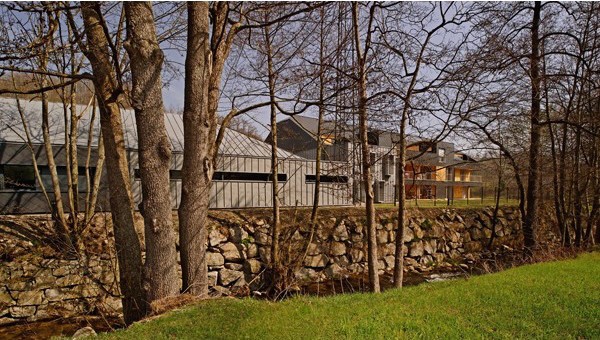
(546,300)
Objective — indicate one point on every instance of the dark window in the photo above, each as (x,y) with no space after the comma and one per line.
(387,168)
(247,176)
(379,191)
(229,176)
(17,177)
(373,138)
(327,179)
(173,174)
(384,166)
(61,170)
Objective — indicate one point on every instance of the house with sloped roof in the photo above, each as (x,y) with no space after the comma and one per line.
(242,177)
(434,170)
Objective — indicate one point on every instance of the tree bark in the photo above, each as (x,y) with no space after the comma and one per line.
(200,132)
(317,193)
(198,168)
(401,182)
(127,243)
(533,186)
(367,177)
(154,151)
(276,224)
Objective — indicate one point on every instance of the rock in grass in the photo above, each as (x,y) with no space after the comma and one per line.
(84,333)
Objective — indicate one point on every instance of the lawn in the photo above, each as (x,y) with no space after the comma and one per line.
(553,300)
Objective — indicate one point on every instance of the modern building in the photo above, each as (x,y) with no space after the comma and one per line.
(434,170)
(242,178)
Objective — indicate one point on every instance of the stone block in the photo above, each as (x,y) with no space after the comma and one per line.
(416,249)
(214,259)
(340,233)
(409,235)
(228,276)
(382,236)
(265,254)
(232,252)
(356,255)
(261,238)
(252,266)
(238,234)
(19,312)
(317,261)
(338,248)
(215,237)
(335,271)
(28,298)
(389,262)
(234,266)
(251,250)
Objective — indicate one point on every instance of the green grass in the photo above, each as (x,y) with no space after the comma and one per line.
(552,300)
(462,203)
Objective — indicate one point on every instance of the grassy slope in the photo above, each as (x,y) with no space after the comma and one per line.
(549,300)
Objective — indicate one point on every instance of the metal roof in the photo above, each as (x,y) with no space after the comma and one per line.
(343,130)
(12,130)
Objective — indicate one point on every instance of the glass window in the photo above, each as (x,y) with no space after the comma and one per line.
(229,176)
(327,179)
(18,177)
(442,155)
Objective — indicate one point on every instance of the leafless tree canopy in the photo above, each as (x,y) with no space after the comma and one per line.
(514,84)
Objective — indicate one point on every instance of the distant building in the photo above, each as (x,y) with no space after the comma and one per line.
(242,178)
(436,171)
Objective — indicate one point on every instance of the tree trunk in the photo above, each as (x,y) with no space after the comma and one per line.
(367,177)
(62,227)
(204,67)
(154,153)
(401,184)
(533,186)
(196,179)
(276,224)
(127,243)
(317,193)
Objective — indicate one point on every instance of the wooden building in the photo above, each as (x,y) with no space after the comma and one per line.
(433,171)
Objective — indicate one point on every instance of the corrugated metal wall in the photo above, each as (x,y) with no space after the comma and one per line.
(295,191)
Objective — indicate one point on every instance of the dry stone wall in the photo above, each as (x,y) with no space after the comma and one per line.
(34,287)
(240,250)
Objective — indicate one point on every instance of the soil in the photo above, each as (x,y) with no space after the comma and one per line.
(360,283)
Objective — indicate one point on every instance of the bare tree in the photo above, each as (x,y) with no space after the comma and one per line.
(154,151)
(362,51)
(108,91)
(227,20)
(196,180)
(63,53)
(533,184)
